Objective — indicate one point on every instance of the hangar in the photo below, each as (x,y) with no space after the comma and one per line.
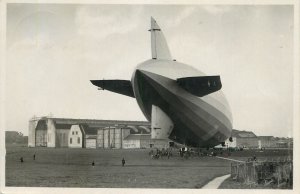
(89,133)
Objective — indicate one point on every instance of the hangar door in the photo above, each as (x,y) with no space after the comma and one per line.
(90,143)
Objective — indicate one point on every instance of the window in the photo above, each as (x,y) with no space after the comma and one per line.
(78,140)
(71,140)
(72,132)
(76,132)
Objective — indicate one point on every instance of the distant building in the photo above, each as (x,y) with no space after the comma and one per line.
(245,139)
(241,139)
(266,142)
(87,133)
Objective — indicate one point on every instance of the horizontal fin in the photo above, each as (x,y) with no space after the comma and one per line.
(200,86)
(118,86)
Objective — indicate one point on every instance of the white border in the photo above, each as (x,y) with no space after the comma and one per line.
(32,190)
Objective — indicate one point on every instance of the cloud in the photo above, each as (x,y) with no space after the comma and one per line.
(216,9)
(103,21)
(181,16)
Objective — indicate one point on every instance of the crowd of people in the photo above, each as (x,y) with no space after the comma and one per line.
(161,153)
(186,153)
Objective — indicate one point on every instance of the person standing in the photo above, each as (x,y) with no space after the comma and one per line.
(123,162)
(33,156)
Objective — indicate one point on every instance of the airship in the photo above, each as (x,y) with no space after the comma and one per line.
(182,103)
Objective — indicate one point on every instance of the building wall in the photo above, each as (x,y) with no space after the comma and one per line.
(91,142)
(106,138)
(41,134)
(159,143)
(100,138)
(51,133)
(145,143)
(31,132)
(75,137)
(118,138)
(62,137)
(125,133)
(111,137)
(282,144)
(135,143)
(248,142)
(267,142)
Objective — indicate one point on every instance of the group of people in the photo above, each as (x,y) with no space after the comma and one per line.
(160,153)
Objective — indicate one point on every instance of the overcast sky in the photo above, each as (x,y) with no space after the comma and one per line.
(54,50)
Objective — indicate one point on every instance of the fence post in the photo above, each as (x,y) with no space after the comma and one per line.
(254,173)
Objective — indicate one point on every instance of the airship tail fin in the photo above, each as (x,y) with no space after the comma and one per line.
(200,86)
(118,86)
(159,46)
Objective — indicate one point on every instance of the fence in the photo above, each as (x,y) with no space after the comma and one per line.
(268,172)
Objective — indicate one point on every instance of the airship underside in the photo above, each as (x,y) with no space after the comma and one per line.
(182,103)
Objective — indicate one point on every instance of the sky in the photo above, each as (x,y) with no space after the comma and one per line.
(53,50)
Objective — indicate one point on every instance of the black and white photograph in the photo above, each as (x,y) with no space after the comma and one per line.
(150,96)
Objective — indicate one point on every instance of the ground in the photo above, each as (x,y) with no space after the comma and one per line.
(65,167)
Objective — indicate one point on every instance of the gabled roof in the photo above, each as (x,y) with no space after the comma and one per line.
(243,134)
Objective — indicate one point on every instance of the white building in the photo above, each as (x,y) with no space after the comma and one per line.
(75,137)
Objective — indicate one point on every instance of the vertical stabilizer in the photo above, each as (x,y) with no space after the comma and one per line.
(159,46)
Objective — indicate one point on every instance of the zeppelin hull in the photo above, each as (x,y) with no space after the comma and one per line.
(196,122)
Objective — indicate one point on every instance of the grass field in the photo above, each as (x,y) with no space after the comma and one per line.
(65,167)
(72,168)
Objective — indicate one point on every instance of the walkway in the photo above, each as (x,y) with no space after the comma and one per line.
(229,159)
(216,182)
